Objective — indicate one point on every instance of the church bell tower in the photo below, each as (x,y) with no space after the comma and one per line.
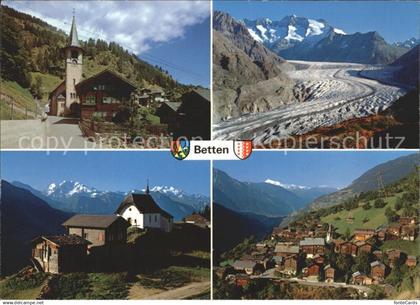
(74,63)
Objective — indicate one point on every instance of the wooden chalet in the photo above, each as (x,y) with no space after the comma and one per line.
(59,253)
(411,261)
(359,278)
(194,114)
(246,266)
(102,95)
(290,265)
(363,234)
(99,230)
(312,270)
(377,271)
(312,246)
(286,249)
(329,274)
(404,221)
(363,246)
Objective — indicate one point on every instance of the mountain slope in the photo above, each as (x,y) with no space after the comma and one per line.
(23,217)
(409,67)
(390,171)
(257,198)
(31,45)
(76,197)
(248,77)
(231,227)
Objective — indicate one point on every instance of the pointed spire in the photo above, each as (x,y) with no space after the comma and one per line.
(147,187)
(73,39)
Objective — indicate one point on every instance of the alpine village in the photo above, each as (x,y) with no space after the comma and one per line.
(98,85)
(364,247)
(138,252)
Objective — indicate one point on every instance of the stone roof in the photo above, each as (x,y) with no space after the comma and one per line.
(286,249)
(312,242)
(243,264)
(64,240)
(93,221)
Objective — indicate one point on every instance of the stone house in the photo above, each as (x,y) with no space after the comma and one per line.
(99,230)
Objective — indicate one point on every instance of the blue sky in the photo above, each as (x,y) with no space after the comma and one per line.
(336,169)
(115,171)
(171,34)
(394,20)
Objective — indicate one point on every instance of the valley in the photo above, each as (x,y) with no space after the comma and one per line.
(335,92)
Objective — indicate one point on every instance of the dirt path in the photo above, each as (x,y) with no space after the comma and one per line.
(138,292)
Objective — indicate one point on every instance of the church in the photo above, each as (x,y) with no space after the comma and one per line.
(99,96)
(141,211)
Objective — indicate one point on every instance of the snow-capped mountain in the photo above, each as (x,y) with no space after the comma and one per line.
(289,31)
(409,43)
(295,186)
(70,188)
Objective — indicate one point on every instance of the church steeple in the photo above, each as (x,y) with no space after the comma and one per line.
(73,38)
(147,187)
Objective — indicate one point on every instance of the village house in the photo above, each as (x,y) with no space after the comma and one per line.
(102,95)
(290,265)
(318,259)
(247,266)
(363,234)
(377,271)
(408,232)
(394,231)
(329,274)
(141,211)
(285,249)
(394,256)
(59,253)
(363,246)
(198,220)
(312,246)
(411,261)
(194,114)
(378,254)
(359,278)
(312,270)
(241,280)
(407,221)
(99,230)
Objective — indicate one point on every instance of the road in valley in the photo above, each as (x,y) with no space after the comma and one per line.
(336,93)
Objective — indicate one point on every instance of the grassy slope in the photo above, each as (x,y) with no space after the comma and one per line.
(409,247)
(376,217)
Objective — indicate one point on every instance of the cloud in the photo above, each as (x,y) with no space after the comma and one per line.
(136,25)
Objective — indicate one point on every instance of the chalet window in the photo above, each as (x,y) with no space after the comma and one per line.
(90,100)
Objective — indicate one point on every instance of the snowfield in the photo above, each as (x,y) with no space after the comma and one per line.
(336,92)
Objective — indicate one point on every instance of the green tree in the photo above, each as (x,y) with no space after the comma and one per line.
(391,215)
(379,203)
